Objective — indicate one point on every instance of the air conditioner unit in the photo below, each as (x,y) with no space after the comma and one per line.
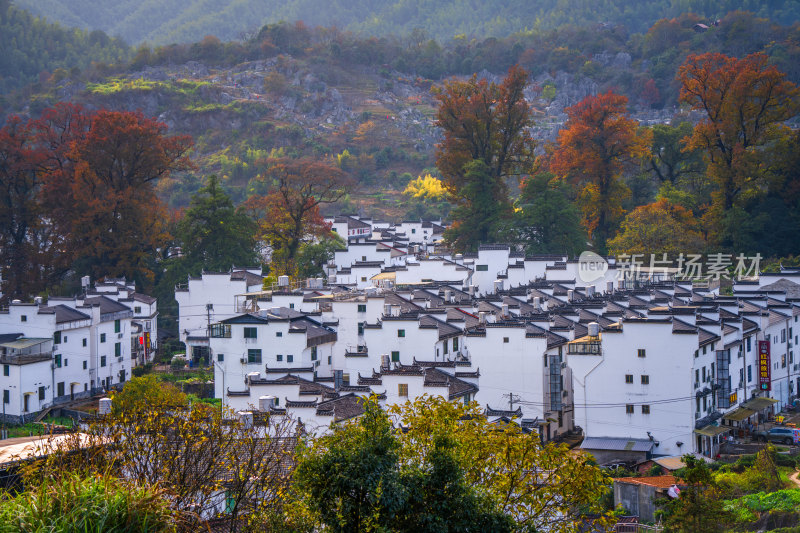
(563,365)
(120,335)
(243,360)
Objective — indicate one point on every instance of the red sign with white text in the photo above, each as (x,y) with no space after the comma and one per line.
(764,381)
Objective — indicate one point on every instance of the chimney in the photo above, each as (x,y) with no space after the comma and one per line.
(570,295)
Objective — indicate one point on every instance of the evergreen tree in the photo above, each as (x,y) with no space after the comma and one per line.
(215,235)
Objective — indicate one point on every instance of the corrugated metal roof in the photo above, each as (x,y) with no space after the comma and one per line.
(25,342)
(617,444)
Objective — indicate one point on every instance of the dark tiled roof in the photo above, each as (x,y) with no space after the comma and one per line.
(107,305)
(65,313)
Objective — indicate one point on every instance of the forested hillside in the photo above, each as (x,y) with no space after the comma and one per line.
(168,21)
(33,48)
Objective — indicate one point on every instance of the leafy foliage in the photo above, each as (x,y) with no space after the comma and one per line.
(96,504)
(598,142)
(35,49)
(547,220)
(174,21)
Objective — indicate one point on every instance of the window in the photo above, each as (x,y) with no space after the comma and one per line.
(402,390)
(291,306)
(6,370)
(445,346)
(58,360)
(704,349)
(102,337)
(137,310)
(290,358)
(84,365)
(704,373)
(697,376)
(57,337)
(645,379)
(23,318)
(250,333)
(645,409)
(60,389)
(220,357)
(254,356)
(640,352)
(66,362)
(313,353)
(505,340)
(629,409)
(363,257)
(455,344)
(25,407)
(362,308)
(697,401)
(696,353)
(117,349)
(705,403)
(628,378)
(749,373)
(783,335)
(84,342)
(116,326)
(279,334)
(360,328)
(6,396)
(395,357)
(41,394)
(741,376)
(279,357)
(401,333)
(330,358)
(481,268)
(102,360)
(748,343)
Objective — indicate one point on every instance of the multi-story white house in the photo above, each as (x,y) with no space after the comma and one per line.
(66,349)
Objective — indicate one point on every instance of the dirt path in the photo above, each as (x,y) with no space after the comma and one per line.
(793,478)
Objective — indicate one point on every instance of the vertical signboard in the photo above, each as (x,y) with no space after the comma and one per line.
(764,381)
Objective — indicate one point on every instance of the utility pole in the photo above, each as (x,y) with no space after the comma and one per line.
(512,398)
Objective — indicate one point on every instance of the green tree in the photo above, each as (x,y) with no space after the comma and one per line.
(350,478)
(483,213)
(548,222)
(355,480)
(539,487)
(147,392)
(314,255)
(215,235)
(699,507)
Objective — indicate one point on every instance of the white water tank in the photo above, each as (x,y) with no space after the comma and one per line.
(537,303)
(594,329)
(246,418)
(498,285)
(570,295)
(609,287)
(265,403)
(283,281)
(104,406)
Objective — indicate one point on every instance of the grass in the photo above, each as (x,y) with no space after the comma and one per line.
(31,428)
(92,505)
(117,85)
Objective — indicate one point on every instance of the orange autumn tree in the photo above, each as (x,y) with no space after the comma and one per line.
(598,143)
(100,188)
(289,215)
(746,103)
(485,126)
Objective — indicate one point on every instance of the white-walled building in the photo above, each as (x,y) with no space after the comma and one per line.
(64,350)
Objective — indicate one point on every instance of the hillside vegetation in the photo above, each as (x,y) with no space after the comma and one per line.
(33,47)
(170,21)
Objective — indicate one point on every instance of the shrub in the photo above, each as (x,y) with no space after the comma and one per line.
(89,505)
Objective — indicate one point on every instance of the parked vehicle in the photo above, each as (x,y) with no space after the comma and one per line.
(782,435)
